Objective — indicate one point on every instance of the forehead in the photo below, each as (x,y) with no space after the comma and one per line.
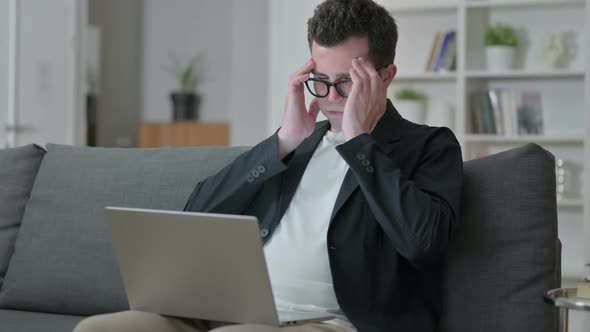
(336,59)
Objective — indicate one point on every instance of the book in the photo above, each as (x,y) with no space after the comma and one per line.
(507,104)
(506,112)
(433,50)
(530,115)
(496,112)
(445,45)
(476,117)
(449,54)
(487,114)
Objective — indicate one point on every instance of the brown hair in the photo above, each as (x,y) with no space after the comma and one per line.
(334,21)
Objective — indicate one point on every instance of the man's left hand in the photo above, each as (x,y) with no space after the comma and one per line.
(366,102)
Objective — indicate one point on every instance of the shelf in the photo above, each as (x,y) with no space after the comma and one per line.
(521,3)
(525,74)
(570,203)
(551,139)
(432,76)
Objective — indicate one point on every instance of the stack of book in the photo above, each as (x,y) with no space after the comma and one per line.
(443,54)
(506,112)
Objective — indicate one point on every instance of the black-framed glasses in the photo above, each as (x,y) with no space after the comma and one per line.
(321,88)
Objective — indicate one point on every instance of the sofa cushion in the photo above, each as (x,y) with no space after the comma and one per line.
(63,260)
(504,256)
(18,169)
(23,321)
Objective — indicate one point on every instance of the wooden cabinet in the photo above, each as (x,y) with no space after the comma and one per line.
(178,134)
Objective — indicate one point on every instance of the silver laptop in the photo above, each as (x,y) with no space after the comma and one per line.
(197,265)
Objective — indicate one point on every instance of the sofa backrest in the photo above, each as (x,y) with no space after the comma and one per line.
(505,254)
(18,169)
(63,260)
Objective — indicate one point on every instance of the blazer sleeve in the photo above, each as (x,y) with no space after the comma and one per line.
(417,214)
(233,188)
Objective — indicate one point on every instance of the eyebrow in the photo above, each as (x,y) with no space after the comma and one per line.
(341,75)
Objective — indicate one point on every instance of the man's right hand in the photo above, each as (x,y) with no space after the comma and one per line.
(298,123)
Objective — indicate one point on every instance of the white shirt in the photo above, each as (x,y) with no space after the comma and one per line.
(297,253)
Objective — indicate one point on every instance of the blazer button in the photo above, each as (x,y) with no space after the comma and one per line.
(370,169)
(261,169)
(249,178)
(361,156)
(365,162)
(255,173)
(264,232)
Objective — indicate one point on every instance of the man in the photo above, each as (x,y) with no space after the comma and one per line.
(356,212)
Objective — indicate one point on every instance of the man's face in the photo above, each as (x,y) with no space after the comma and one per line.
(333,64)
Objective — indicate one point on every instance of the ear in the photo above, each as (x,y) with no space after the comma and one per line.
(388,74)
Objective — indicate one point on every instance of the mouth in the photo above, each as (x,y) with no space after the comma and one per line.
(334,112)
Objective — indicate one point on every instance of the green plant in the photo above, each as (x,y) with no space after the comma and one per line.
(409,94)
(187,75)
(500,35)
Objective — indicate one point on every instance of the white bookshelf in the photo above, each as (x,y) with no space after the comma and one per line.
(419,6)
(526,74)
(565,92)
(522,3)
(426,77)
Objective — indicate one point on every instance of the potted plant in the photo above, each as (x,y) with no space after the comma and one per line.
(411,104)
(500,42)
(185,100)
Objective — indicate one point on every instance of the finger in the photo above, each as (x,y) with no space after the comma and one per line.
(297,81)
(367,66)
(360,70)
(357,80)
(314,108)
(373,76)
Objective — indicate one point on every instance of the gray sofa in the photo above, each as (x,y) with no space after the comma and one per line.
(57,265)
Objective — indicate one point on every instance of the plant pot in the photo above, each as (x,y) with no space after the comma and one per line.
(500,58)
(412,110)
(185,105)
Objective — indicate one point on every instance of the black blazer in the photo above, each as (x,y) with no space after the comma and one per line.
(394,215)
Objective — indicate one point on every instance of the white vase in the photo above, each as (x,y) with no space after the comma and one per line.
(411,110)
(500,58)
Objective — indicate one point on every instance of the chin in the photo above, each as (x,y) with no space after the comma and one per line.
(335,119)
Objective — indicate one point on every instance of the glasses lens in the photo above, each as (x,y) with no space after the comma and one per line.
(318,88)
(345,88)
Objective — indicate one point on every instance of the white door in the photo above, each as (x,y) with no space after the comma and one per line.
(47,85)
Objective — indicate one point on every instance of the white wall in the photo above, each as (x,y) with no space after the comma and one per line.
(288,50)
(186,27)
(4,30)
(248,107)
(586,175)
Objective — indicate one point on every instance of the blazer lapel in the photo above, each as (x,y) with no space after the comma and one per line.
(386,134)
(297,165)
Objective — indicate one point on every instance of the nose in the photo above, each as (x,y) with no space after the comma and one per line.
(333,95)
